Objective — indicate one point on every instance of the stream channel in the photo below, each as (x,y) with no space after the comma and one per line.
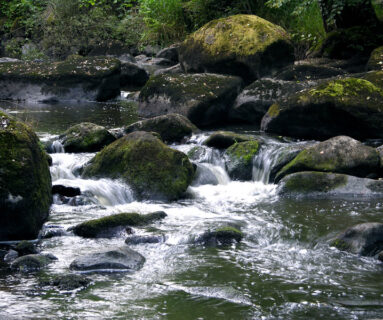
(283,269)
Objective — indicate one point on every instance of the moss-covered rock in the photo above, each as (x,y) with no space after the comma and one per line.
(312,184)
(25,247)
(152,169)
(69,282)
(77,78)
(337,155)
(305,72)
(240,157)
(349,106)
(375,77)
(31,262)
(221,236)
(364,239)
(171,127)
(106,226)
(25,181)
(86,137)
(225,139)
(241,45)
(376,60)
(203,98)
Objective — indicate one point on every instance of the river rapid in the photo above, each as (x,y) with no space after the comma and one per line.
(283,269)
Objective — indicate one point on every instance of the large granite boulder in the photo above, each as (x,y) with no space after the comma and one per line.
(203,98)
(171,127)
(152,169)
(337,155)
(241,45)
(77,78)
(350,106)
(86,137)
(25,181)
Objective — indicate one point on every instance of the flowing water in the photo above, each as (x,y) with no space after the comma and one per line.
(283,269)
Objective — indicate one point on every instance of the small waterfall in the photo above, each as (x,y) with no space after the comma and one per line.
(265,161)
(68,165)
(210,174)
(57,147)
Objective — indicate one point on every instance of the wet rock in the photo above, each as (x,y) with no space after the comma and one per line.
(70,282)
(134,240)
(375,77)
(53,231)
(205,175)
(31,262)
(221,236)
(240,157)
(176,69)
(77,78)
(65,191)
(365,239)
(225,139)
(171,127)
(107,226)
(126,57)
(152,169)
(151,50)
(121,259)
(86,137)
(241,45)
(25,247)
(203,98)
(133,75)
(25,181)
(11,256)
(329,185)
(337,155)
(305,72)
(254,101)
(349,106)
(376,60)
(170,53)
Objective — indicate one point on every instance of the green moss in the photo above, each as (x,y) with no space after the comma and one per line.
(225,139)
(340,244)
(231,232)
(312,182)
(244,151)
(93,228)
(273,110)
(242,35)
(375,77)
(150,167)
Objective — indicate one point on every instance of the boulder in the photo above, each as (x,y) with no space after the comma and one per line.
(25,181)
(31,262)
(225,139)
(305,72)
(133,75)
(176,69)
(222,236)
(337,155)
(77,78)
(375,77)
(376,60)
(121,259)
(365,239)
(86,137)
(350,106)
(134,240)
(203,98)
(240,157)
(65,191)
(70,282)
(170,53)
(152,169)
(25,247)
(241,45)
(254,101)
(171,127)
(107,226)
(311,184)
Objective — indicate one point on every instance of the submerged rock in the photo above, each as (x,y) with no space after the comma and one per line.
(152,169)
(350,106)
(65,191)
(221,236)
(365,239)
(254,101)
(25,247)
(171,127)
(376,60)
(69,282)
(121,259)
(25,181)
(320,184)
(241,45)
(203,98)
(240,160)
(86,137)
(337,155)
(77,78)
(107,226)
(31,262)
(225,139)
(134,240)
